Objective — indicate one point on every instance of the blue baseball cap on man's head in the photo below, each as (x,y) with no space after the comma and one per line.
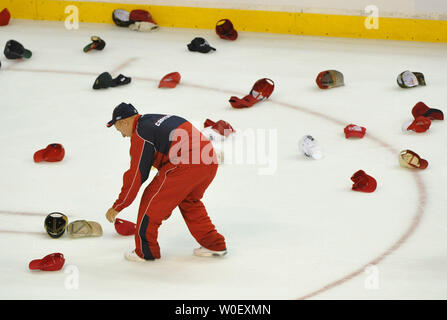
(122,111)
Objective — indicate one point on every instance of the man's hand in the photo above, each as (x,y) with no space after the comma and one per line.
(111,214)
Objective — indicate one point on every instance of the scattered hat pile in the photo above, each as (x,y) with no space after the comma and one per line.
(423,116)
(56,223)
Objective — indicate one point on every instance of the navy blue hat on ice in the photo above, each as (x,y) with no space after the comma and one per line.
(122,111)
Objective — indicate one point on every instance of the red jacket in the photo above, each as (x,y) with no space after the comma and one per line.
(158,140)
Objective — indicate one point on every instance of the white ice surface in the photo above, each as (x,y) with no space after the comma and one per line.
(288,234)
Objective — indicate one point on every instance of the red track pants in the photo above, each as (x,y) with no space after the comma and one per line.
(181,186)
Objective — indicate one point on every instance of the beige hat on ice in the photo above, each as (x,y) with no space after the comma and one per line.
(84,228)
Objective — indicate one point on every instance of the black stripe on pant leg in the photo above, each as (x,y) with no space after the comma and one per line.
(147,254)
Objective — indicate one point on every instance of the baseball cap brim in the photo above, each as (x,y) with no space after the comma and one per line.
(35,264)
(418,127)
(110,123)
(205,49)
(434,114)
(231,35)
(420,78)
(27,54)
(171,80)
(354,134)
(423,164)
(167,84)
(90,47)
(39,156)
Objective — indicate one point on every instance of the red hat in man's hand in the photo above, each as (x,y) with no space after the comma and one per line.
(124,227)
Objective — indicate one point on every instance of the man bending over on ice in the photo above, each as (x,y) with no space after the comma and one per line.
(186,165)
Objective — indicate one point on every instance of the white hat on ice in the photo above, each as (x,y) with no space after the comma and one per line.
(310,148)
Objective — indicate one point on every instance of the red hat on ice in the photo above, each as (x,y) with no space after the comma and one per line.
(353,130)
(124,227)
(52,153)
(420,124)
(171,80)
(223,127)
(363,182)
(225,30)
(330,79)
(5,16)
(410,159)
(262,89)
(421,109)
(51,262)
